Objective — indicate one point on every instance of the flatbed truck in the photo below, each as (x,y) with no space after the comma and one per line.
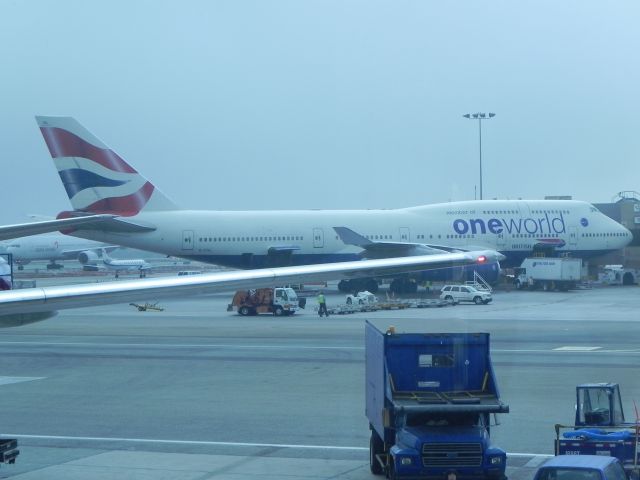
(600,428)
(429,399)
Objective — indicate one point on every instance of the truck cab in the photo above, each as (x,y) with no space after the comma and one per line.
(598,404)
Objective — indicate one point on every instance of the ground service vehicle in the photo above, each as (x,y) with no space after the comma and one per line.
(279,301)
(581,467)
(465,293)
(8,450)
(600,427)
(429,397)
(548,273)
(362,298)
(619,275)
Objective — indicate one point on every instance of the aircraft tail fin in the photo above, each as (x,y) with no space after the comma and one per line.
(97,179)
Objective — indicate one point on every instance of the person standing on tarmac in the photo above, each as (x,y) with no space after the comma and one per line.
(322,305)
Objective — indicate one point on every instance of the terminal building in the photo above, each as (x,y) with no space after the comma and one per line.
(624,209)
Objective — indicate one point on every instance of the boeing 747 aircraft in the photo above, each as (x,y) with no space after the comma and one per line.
(98,181)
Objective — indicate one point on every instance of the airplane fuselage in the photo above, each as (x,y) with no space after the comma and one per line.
(49,247)
(255,239)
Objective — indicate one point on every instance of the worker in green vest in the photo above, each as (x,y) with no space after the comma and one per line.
(322,305)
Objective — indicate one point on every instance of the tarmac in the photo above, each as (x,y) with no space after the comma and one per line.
(196,392)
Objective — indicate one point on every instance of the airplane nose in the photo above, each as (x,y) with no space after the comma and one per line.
(626,236)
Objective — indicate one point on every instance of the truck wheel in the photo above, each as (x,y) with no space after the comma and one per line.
(391,469)
(477,300)
(278,312)
(376,446)
(244,311)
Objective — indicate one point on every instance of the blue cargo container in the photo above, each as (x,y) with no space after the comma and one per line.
(429,397)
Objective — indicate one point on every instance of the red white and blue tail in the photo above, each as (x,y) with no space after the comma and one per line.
(97,179)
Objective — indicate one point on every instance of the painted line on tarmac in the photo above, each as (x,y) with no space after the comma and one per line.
(562,350)
(216,444)
(184,442)
(185,345)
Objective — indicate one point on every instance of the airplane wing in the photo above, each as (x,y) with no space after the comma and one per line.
(18,307)
(386,249)
(35,228)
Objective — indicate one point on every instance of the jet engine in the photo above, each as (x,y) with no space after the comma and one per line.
(88,257)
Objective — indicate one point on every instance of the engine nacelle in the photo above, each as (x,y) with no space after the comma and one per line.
(88,256)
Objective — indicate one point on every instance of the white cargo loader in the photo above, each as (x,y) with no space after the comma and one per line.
(549,273)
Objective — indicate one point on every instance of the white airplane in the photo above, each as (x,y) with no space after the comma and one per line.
(131,265)
(98,182)
(20,307)
(54,247)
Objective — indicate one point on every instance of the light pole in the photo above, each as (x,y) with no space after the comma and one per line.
(479,116)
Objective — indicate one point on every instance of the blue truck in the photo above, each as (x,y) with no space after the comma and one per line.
(429,399)
(600,428)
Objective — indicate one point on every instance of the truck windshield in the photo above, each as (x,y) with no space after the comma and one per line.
(594,406)
(443,419)
(559,473)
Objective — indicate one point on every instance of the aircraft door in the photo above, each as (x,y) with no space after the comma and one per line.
(187,240)
(405,235)
(318,238)
(573,236)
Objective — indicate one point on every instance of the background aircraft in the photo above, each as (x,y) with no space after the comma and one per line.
(54,247)
(98,181)
(130,265)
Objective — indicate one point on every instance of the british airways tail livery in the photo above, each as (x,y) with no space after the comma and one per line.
(99,182)
(96,179)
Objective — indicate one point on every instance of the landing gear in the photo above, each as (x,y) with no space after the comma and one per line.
(358,285)
(403,285)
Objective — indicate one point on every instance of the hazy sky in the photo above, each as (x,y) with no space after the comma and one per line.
(326,104)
